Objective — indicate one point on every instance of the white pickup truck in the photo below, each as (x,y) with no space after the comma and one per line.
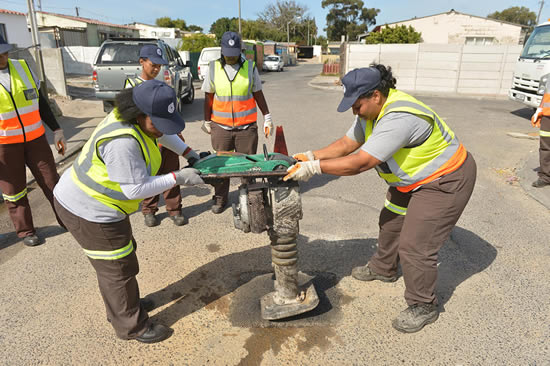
(533,68)
(118,59)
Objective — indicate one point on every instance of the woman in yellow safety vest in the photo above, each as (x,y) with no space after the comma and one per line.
(430,175)
(114,172)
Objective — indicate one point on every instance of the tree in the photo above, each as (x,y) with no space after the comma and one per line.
(222,25)
(323,41)
(168,22)
(398,34)
(196,42)
(276,17)
(194,28)
(518,15)
(348,17)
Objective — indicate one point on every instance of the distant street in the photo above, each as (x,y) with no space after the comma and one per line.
(208,277)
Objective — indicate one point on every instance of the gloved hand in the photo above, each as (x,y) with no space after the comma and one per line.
(535,119)
(187,177)
(60,141)
(268,125)
(303,170)
(204,154)
(304,156)
(206,127)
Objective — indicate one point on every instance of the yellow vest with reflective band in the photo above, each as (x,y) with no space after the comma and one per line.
(20,119)
(131,82)
(234,103)
(89,170)
(410,167)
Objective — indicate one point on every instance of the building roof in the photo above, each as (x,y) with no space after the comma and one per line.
(448,12)
(5,11)
(87,20)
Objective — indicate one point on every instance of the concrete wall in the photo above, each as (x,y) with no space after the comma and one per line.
(148,31)
(53,67)
(79,60)
(441,68)
(16,29)
(455,28)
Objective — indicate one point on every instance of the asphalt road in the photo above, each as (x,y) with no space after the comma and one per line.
(494,283)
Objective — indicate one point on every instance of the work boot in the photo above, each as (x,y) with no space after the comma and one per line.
(31,240)
(219,205)
(179,219)
(415,317)
(364,273)
(155,333)
(150,220)
(539,183)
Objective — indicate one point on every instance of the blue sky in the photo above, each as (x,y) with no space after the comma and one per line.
(204,13)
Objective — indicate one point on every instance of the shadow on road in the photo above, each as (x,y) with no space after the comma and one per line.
(326,261)
(9,239)
(523,112)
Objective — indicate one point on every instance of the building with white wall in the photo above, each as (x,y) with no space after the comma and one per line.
(152,31)
(454,27)
(13,27)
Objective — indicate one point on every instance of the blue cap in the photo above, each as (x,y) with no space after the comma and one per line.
(356,83)
(4,46)
(153,53)
(231,44)
(158,100)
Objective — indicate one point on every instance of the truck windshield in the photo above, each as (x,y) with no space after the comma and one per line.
(120,54)
(538,44)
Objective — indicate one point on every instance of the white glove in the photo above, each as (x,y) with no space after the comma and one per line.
(304,156)
(535,120)
(268,125)
(303,170)
(190,154)
(206,127)
(60,141)
(187,177)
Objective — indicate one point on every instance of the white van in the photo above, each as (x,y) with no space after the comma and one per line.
(207,54)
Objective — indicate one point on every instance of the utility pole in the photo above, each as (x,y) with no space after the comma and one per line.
(37,49)
(240,30)
(76,8)
(540,10)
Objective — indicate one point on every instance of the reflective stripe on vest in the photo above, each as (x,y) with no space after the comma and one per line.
(20,119)
(15,197)
(421,164)
(395,208)
(234,103)
(90,173)
(544,133)
(110,255)
(131,82)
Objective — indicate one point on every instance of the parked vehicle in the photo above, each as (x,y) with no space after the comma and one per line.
(118,59)
(273,63)
(207,54)
(532,68)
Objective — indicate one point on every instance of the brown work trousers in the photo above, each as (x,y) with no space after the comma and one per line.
(414,239)
(244,141)
(544,150)
(116,278)
(172,196)
(37,155)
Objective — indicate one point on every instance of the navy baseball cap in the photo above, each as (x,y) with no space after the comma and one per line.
(153,53)
(158,100)
(356,83)
(4,46)
(231,44)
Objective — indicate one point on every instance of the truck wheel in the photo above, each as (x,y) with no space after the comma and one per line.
(188,99)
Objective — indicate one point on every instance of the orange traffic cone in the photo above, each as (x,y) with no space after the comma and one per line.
(280,143)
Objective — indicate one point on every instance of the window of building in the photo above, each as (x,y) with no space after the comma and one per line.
(153,33)
(3,32)
(480,41)
(166,34)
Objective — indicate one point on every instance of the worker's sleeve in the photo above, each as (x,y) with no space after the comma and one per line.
(173,143)
(257,83)
(46,113)
(207,86)
(395,131)
(151,187)
(357,130)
